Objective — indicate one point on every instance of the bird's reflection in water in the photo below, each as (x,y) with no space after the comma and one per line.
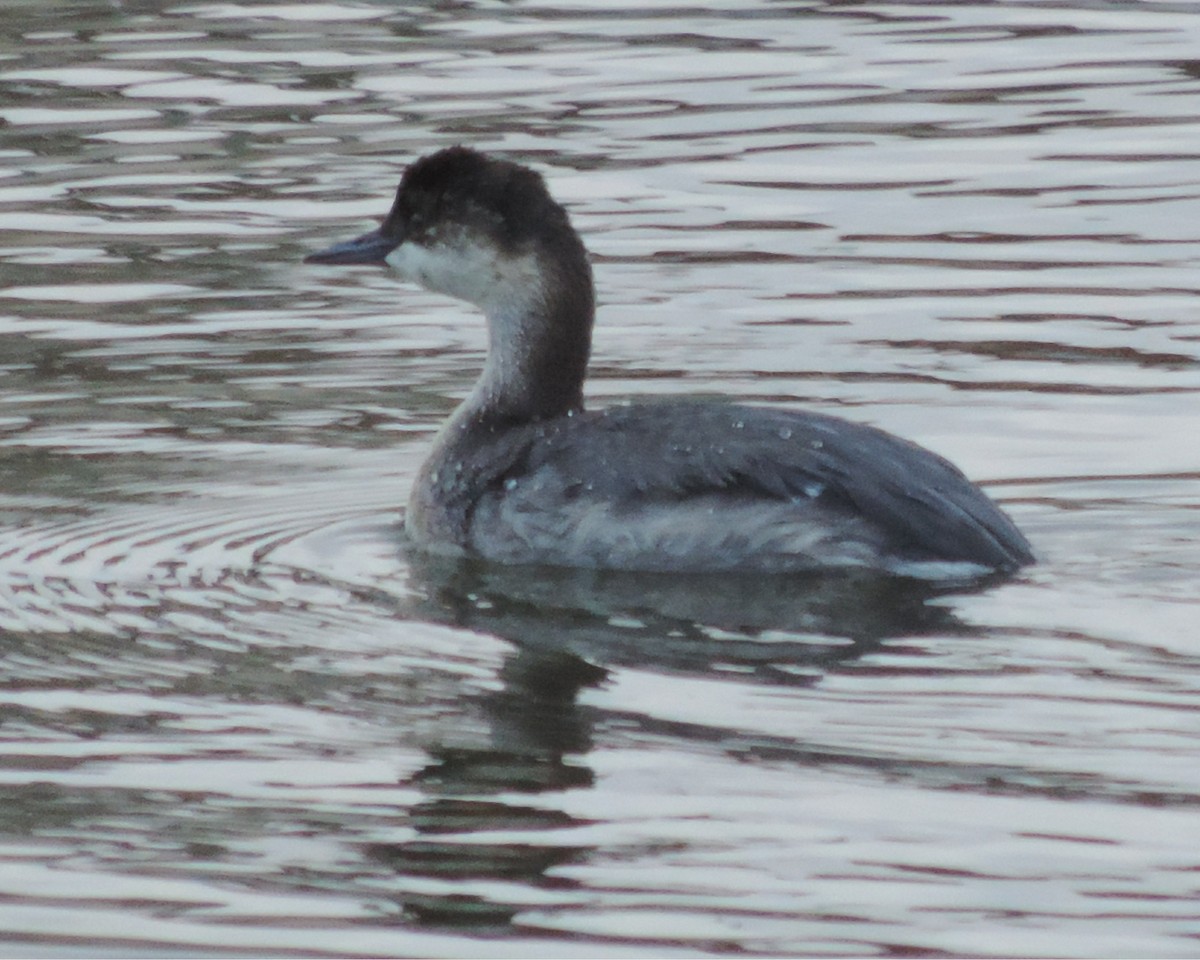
(769,626)
(474,839)
(568,628)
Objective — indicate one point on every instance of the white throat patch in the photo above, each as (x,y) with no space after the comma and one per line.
(477,274)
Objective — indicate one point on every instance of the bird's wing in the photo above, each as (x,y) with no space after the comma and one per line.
(676,450)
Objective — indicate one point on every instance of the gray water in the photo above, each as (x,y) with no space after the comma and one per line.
(236,718)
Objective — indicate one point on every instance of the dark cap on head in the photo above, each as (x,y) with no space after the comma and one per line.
(459,186)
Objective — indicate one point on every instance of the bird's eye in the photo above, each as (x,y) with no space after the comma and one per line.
(419,215)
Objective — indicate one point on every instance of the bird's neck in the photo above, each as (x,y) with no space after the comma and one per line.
(539,339)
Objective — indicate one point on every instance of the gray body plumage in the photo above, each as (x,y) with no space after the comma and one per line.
(708,486)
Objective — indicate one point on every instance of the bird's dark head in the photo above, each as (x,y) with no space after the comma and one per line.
(459,198)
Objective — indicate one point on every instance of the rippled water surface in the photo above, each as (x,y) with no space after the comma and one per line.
(235,717)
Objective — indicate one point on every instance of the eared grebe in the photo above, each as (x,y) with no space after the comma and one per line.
(521,473)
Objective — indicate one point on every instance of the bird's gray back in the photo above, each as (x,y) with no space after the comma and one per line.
(680,485)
